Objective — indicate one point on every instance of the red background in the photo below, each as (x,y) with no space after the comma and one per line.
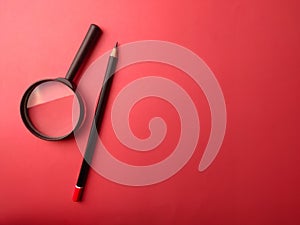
(252,47)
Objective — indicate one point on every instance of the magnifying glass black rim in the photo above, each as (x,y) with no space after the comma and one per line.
(27,121)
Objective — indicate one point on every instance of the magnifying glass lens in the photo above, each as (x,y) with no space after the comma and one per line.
(53,109)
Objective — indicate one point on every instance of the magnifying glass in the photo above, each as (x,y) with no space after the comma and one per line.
(51,109)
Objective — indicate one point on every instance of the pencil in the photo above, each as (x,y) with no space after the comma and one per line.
(96,124)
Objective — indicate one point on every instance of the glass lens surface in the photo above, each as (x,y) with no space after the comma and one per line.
(53,109)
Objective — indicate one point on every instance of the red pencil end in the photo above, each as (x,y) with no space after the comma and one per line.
(77,194)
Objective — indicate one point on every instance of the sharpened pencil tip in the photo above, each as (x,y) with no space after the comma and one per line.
(116,45)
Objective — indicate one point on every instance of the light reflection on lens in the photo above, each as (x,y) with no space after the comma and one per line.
(53,109)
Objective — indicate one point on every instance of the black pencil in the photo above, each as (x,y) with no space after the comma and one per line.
(96,125)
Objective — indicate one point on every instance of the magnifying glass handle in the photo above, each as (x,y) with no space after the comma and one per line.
(87,45)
